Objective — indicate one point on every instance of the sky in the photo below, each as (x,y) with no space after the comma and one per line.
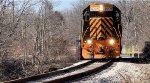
(63,4)
(58,5)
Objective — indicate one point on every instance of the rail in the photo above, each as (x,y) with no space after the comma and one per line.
(67,74)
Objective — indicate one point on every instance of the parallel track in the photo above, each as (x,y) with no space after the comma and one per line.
(67,74)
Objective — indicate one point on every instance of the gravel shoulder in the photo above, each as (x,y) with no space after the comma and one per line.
(121,72)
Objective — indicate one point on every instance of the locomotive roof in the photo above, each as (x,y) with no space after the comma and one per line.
(101,4)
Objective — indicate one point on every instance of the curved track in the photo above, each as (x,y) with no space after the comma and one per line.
(73,72)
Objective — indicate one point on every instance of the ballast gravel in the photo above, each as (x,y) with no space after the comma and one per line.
(120,72)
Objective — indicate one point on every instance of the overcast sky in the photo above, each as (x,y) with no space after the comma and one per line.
(63,4)
(67,4)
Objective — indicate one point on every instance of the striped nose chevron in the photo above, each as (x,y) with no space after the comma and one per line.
(101,27)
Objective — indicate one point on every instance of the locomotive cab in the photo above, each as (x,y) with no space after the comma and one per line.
(101,32)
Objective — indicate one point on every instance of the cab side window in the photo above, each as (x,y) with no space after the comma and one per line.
(117,16)
(86,16)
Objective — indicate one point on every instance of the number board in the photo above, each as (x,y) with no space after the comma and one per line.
(94,9)
(105,8)
(108,9)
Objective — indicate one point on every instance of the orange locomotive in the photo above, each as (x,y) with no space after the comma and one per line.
(101,32)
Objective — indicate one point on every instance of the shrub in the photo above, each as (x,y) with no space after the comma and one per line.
(11,69)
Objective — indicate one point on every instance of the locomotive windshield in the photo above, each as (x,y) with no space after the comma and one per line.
(100,14)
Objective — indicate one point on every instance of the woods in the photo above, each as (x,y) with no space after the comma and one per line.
(35,38)
(32,39)
(135,20)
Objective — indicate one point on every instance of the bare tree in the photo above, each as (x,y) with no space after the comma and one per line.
(135,20)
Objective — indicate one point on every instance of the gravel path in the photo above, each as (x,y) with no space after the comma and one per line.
(121,72)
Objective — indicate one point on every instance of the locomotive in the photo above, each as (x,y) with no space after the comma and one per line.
(101,32)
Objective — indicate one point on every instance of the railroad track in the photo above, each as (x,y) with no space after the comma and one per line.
(73,72)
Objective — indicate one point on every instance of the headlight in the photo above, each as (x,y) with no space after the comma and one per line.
(101,8)
(89,41)
(112,41)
